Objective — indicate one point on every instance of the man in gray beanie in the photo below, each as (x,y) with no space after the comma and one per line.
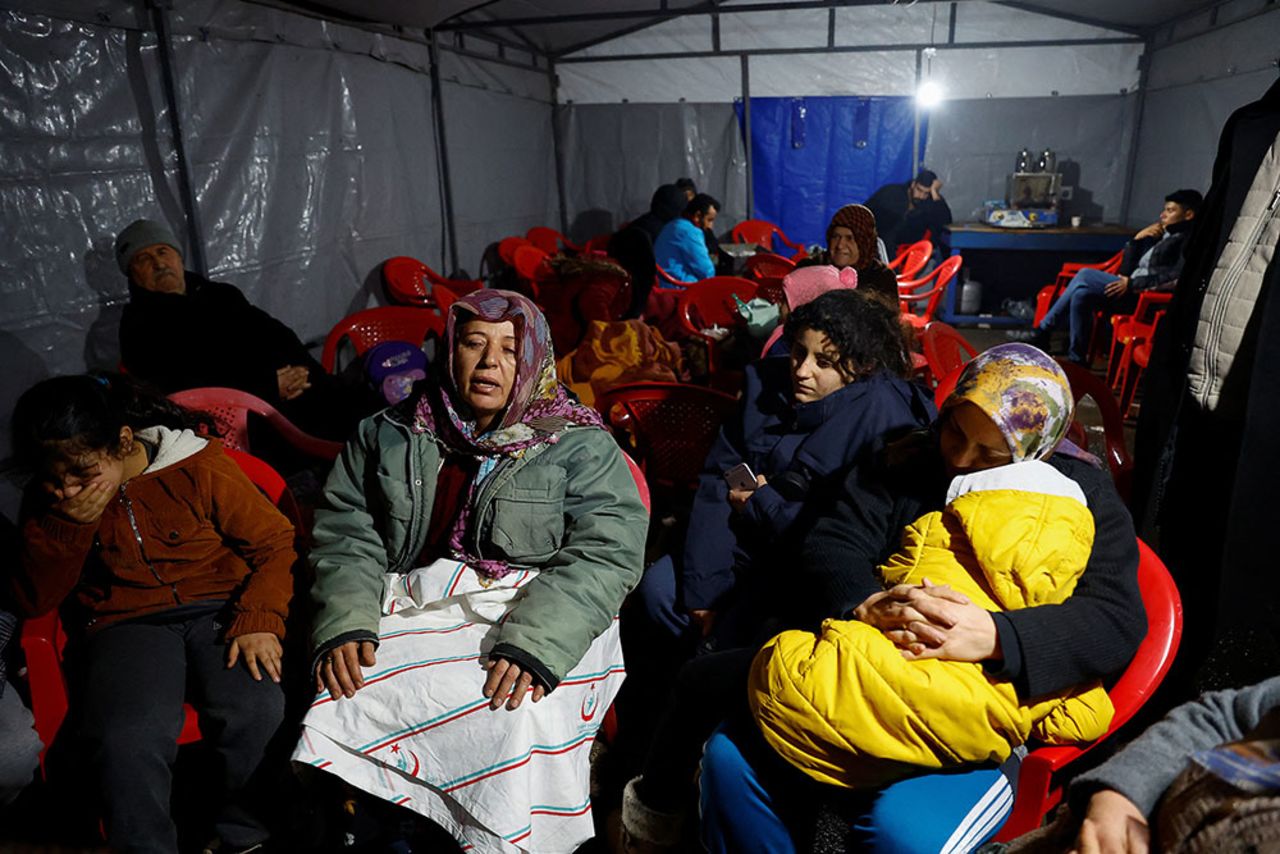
(183,331)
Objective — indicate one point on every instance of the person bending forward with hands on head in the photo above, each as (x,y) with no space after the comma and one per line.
(175,571)
(472,548)
(752,801)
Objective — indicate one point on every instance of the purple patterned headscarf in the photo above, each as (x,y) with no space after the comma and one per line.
(537,413)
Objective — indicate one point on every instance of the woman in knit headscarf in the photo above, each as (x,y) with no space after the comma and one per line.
(1013,403)
(851,242)
(488,529)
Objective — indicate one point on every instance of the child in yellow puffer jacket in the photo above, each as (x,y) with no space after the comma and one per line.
(848,709)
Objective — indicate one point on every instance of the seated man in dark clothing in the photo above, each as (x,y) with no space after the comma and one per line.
(182,331)
(1152,262)
(904,212)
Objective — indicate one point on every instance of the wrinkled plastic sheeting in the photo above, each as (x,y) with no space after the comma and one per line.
(851,147)
(663,81)
(837,74)
(774,29)
(973,145)
(1025,72)
(78,158)
(302,197)
(502,162)
(616,155)
(994,22)
(1242,48)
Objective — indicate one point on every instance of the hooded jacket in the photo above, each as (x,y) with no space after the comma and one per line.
(191,528)
(846,708)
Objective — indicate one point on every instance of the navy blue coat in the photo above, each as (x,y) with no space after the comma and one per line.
(802,450)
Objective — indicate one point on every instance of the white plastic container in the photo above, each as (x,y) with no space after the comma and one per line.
(971,297)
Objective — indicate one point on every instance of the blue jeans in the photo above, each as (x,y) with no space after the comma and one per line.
(752,801)
(1082,297)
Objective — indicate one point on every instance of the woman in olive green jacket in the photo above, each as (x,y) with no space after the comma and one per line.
(487,519)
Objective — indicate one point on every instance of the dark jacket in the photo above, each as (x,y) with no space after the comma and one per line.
(898,222)
(1166,259)
(1206,476)
(801,450)
(209,336)
(1049,648)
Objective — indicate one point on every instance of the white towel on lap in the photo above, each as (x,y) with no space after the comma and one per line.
(421,735)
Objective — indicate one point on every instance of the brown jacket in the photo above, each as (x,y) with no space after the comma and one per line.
(204,533)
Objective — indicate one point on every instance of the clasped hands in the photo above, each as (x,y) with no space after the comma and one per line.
(341,673)
(932,621)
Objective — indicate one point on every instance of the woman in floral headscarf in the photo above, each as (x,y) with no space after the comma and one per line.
(1012,403)
(472,549)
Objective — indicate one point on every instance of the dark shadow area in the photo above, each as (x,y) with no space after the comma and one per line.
(102,343)
(1081,203)
(590,223)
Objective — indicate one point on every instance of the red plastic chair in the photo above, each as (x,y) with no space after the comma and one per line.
(1139,357)
(1129,329)
(44,638)
(766,265)
(946,385)
(1038,791)
(929,290)
(532,264)
(667,427)
(761,233)
(599,243)
(410,282)
(912,261)
(550,241)
(364,329)
(1084,383)
(507,247)
(1046,295)
(669,280)
(230,409)
(710,303)
(945,350)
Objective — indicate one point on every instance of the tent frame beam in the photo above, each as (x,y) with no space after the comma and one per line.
(1073,18)
(653,16)
(883,48)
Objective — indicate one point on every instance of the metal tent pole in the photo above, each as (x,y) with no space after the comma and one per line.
(446,182)
(746,132)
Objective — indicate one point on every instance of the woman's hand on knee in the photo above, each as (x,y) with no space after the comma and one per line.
(339,671)
(508,681)
(261,651)
(1113,824)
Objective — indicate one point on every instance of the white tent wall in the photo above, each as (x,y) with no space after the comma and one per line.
(1195,82)
(501,154)
(616,155)
(972,145)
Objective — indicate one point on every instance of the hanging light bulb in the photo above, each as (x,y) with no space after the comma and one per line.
(929,95)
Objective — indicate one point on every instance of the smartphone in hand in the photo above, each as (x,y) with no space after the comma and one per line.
(741,477)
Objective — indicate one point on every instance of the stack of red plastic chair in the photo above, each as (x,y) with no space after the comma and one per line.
(762,234)
(230,409)
(928,290)
(370,327)
(1128,330)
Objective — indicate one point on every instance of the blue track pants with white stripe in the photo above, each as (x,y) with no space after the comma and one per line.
(751,801)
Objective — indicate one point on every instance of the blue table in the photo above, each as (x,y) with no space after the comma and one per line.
(1070,243)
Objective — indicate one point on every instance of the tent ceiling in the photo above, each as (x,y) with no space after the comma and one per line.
(557,26)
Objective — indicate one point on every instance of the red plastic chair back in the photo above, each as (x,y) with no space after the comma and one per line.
(945,349)
(666,280)
(549,240)
(710,303)
(914,260)
(507,249)
(44,638)
(761,233)
(766,265)
(1085,384)
(668,427)
(531,264)
(230,409)
(410,282)
(946,385)
(370,327)
(929,290)
(1038,792)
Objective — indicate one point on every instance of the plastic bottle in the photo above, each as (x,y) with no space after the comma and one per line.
(971,297)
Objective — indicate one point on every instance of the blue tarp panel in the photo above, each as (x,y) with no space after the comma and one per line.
(812,155)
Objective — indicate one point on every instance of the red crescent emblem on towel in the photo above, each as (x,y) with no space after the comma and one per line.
(589,704)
